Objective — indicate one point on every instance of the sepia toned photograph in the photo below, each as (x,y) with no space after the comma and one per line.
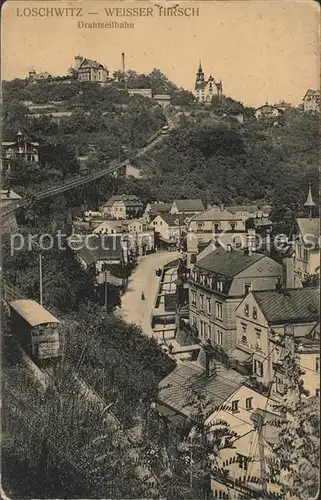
(160,250)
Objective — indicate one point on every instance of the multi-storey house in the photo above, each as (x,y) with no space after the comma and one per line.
(20,149)
(188,206)
(218,284)
(311,101)
(228,225)
(263,321)
(123,206)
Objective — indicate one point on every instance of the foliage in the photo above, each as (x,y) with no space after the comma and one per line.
(297,448)
(117,359)
(65,284)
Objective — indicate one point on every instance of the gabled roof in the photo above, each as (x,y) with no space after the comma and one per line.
(189,205)
(32,312)
(127,199)
(289,306)
(228,263)
(95,247)
(309,226)
(188,377)
(172,219)
(214,214)
(269,106)
(160,207)
(311,93)
(91,63)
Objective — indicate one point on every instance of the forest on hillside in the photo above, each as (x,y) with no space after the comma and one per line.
(224,162)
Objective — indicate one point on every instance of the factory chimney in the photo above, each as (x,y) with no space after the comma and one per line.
(123,68)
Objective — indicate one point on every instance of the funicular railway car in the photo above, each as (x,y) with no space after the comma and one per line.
(36,329)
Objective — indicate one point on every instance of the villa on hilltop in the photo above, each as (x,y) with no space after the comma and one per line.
(87,70)
(204,90)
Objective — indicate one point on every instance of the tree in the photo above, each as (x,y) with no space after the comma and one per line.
(297,448)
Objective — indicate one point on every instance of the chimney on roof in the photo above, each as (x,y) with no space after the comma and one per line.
(279,284)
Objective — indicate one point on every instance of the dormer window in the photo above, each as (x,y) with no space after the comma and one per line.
(246,310)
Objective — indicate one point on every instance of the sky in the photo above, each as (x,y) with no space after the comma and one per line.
(263,51)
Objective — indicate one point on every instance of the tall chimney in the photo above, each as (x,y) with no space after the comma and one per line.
(123,68)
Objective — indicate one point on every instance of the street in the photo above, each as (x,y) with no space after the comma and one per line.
(134,309)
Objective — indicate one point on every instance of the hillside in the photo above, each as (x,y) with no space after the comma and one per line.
(222,161)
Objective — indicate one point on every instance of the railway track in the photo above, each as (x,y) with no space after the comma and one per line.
(46,193)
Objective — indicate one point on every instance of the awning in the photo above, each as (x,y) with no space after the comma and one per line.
(241,356)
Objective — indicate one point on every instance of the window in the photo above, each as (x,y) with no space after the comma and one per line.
(258,368)
(219,286)
(202,302)
(219,337)
(247,288)
(254,313)
(235,405)
(200,225)
(219,310)
(317,364)
(209,306)
(217,227)
(195,322)
(205,330)
(233,226)
(258,338)
(246,310)
(193,298)
(248,403)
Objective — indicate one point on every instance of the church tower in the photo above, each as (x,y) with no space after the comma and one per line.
(200,84)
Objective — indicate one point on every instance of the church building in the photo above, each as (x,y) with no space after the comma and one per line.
(205,89)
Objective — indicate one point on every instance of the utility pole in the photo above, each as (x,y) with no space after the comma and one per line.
(40,278)
(106,293)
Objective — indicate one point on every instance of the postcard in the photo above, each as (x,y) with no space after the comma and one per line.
(160,253)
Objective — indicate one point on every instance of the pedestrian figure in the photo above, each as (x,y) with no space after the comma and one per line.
(143,296)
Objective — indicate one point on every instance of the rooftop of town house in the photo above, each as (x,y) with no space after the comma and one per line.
(249,208)
(172,219)
(9,194)
(260,221)
(32,312)
(293,305)
(160,207)
(229,263)
(310,229)
(127,199)
(189,205)
(266,105)
(94,247)
(187,377)
(214,214)
(311,93)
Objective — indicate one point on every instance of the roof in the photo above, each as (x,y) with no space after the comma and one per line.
(241,356)
(288,306)
(214,214)
(110,224)
(309,228)
(9,194)
(160,207)
(249,208)
(91,63)
(173,219)
(189,205)
(227,262)
(32,312)
(128,199)
(95,247)
(261,221)
(269,106)
(189,376)
(311,93)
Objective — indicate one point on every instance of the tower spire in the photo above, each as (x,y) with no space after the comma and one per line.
(310,203)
